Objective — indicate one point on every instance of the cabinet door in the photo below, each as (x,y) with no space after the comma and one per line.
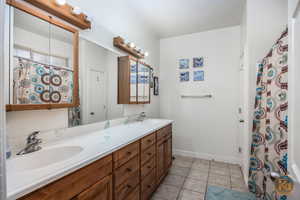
(160,160)
(133,81)
(102,190)
(168,153)
(141,82)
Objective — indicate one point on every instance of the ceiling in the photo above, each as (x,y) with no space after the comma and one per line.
(177,17)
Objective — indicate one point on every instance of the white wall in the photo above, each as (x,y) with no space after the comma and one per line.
(264,22)
(203,127)
(2,108)
(111,19)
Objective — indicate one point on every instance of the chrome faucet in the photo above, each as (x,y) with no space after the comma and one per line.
(141,117)
(32,144)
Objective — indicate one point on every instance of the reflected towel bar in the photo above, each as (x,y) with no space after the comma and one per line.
(197,96)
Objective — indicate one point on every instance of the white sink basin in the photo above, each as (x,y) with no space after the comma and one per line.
(42,158)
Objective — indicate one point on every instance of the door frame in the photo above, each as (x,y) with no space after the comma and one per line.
(90,69)
(2,107)
(294,17)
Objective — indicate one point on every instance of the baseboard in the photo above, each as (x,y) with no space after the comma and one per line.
(227,159)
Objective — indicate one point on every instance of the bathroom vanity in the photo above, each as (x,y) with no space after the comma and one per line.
(127,161)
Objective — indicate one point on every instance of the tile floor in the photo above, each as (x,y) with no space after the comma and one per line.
(189,177)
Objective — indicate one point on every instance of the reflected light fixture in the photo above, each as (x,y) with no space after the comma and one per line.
(146,53)
(131,44)
(76,10)
(60,2)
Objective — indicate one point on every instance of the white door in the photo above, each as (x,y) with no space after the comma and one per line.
(241,110)
(96,96)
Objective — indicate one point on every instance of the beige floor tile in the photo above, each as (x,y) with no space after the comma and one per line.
(219,180)
(237,182)
(174,180)
(220,171)
(234,167)
(184,158)
(200,166)
(236,173)
(167,192)
(195,185)
(190,195)
(196,174)
(227,186)
(202,161)
(218,164)
(179,171)
(182,163)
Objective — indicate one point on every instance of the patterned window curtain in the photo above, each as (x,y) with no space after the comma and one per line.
(270,128)
(36,83)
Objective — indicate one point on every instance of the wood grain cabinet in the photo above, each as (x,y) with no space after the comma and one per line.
(131,173)
(164,152)
(133,81)
(102,190)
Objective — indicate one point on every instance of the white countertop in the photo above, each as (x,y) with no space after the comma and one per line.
(95,145)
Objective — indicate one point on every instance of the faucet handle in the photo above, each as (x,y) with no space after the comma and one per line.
(33,135)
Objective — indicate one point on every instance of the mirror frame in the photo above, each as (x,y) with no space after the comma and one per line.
(48,18)
(150,68)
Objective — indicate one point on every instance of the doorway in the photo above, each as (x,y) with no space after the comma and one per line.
(97,98)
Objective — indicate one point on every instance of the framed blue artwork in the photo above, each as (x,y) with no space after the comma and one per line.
(198,62)
(199,75)
(184,63)
(184,76)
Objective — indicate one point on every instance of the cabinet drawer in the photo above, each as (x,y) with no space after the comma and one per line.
(123,155)
(148,141)
(148,167)
(127,187)
(126,171)
(71,185)
(147,154)
(135,195)
(102,190)
(148,185)
(164,133)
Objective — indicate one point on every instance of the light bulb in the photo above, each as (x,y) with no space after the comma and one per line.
(76,10)
(60,2)
(146,54)
(138,49)
(131,45)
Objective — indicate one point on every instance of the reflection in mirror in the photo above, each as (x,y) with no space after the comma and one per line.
(41,68)
(61,62)
(98,78)
(29,71)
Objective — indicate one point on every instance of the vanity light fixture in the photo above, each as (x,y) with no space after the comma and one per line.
(76,10)
(60,2)
(129,47)
(146,53)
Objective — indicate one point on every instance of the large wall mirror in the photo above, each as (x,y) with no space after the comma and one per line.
(43,61)
(98,89)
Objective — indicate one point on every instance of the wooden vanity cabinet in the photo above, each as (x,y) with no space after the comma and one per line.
(133,81)
(131,173)
(164,152)
(93,180)
(102,190)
